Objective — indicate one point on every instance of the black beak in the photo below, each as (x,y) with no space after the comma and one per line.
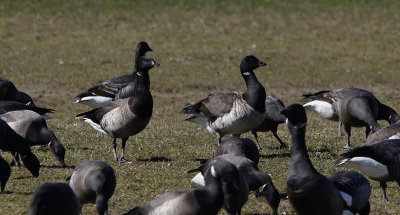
(261,64)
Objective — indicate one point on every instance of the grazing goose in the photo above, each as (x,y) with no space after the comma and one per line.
(8,92)
(12,142)
(390,132)
(94,182)
(355,190)
(232,113)
(5,172)
(31,126)
(54,198)
(106,92)
(125,117)
(273,118)
(254,177)
(243,147)
(352,107)
(208,200)
(309,192)
(378,162)
(7,106)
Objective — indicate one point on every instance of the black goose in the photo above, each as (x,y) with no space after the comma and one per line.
(208,200)
(239,146)
(106,92)
(390,132)
(94,182)
(54,198)
(378,162)
(31,126)
(5,172)
(8,92)
(7,106)
(273,118)
(125,117)
(352,107)
(232,113)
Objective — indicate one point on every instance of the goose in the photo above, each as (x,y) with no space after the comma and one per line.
(7,106)
(125,117)
(239,146)
(104,93)
(388,132)
(254,177)
(8,92)
(379,162)
(308,191)
(54,198)
(208,200)
(31,126)
(352,107)
(5,172)
(12,142)
(355,190)
(273,118)
(232,113)
(94,181)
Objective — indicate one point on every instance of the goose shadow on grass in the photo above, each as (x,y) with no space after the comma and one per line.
(57,167)
(286,154)
(155,159)
(19,193)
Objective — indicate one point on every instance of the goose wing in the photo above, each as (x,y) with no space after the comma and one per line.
(391,131)
(108,88)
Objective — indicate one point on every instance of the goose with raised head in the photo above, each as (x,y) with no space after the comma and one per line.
(390,132)
(232,113)
(239,146)
(104,93)
(125,117)
(31,126)
(8,92)
(378,162)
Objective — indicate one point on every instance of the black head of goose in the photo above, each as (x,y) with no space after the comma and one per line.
(390,132)
(12,142)
(273,118)
(208,200)
(125,117)
(31,126)
(239,146)
(104,93)
(94,182)
(5,172)
(8,92)
(308,191)
(232,113)
(54,198)
(378,162)
(7,106)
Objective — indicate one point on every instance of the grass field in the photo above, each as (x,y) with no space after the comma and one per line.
(54,50)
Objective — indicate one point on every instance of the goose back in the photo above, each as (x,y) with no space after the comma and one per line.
(389,132)
(8,92)
(239,146)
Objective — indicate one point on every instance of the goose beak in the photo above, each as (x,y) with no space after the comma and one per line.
(260,64)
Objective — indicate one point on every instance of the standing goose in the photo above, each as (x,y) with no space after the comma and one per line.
(390,132)
(232,113)
(243,147)
(5,172)
(31,126)
(106,92)
(352,107)
(273,118)
(378,162)
(126,117)
(7,106)
(208,200)
(8,92)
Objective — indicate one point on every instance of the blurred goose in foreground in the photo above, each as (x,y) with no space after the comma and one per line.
(309,192)
(208,200)
(8,92)
(390,132)
(379,162)
(232,113)
(7,106)
(125,117)
(352,107)
(243,147)
(106,92)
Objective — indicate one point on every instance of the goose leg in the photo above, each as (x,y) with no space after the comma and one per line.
(283,145)
(114,146)
(367,130)
(384,186)
(122,158)
(15,161)
(340,129)
(254,133)
(348,131)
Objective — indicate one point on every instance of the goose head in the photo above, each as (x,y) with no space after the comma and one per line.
(296,116)
(250,63)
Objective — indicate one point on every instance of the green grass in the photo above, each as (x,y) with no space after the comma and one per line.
(54,50)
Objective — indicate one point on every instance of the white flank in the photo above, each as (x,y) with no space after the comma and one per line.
(324,109)
(168,207)
(94,125)
(367,166)
(198,119)
(198,179)
(396,136)
(94,101)
(347,198)
(347,212)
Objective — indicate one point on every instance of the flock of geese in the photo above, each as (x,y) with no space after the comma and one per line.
(123,107)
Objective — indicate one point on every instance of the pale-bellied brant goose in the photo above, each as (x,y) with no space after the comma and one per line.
(31,126)
(5,172)
(125,117)
(232,113)
(390,132)
(352,107)
(239,146)
(8,92)
(378,162)
(94,181)
(106,92)
(7,106)
(254,177)
(12,142)
(54,198)
(273,118)
(208,200)
(309,192)
(355,190)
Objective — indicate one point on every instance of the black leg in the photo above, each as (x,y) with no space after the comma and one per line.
(384,186)
(348,131)
(283,145)
(122,158)
(114,146)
